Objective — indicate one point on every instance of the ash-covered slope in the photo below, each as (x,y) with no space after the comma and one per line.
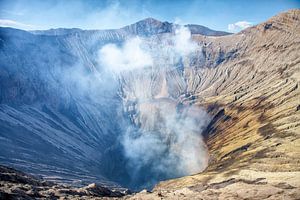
(52,121)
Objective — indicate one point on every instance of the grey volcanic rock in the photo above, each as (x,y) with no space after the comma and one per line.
(18,185)
(202,30)
(149,27)
(47,122)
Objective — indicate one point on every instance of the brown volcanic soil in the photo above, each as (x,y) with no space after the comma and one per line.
(253,92)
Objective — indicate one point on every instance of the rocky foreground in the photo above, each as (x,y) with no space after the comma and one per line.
(17,185)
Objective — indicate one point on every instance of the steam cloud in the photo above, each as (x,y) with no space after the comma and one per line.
(183,43)
(168,143)
(130,57)
(163,138)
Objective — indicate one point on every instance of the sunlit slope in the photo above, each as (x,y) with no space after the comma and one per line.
(249,82)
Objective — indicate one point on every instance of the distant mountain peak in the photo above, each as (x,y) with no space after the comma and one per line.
(151,26)
(149,20)
(148,26)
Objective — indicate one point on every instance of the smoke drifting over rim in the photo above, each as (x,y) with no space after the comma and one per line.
(138,53)
(162,138)
(131,56)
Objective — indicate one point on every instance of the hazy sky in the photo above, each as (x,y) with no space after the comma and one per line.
(226,15)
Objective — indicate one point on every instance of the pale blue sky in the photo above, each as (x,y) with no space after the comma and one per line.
(104,14)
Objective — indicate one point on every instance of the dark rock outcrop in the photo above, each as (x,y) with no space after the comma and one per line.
(18,185)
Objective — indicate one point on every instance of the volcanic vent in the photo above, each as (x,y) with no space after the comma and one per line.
(158,121)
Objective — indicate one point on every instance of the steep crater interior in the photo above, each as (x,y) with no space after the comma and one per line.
(107,106)
(125,116)
(161,127)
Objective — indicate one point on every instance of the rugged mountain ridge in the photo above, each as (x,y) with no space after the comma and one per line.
(145,27)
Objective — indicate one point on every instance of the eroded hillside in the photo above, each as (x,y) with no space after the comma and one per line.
(251,87)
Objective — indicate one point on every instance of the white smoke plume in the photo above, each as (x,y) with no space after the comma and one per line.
(129,57)
(183,43)
(163,139)
(168,143)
